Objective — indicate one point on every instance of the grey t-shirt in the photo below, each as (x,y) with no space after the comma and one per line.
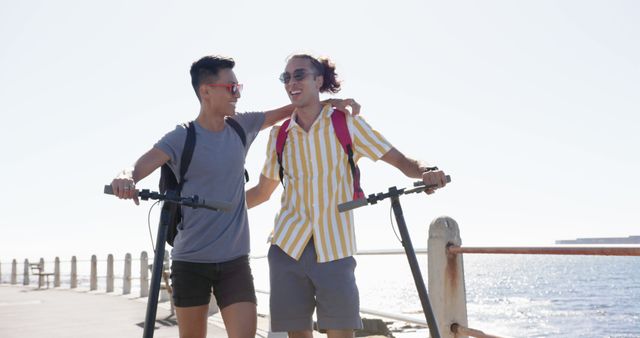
(216,173)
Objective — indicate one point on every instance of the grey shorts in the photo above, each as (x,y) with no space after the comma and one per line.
(299,287)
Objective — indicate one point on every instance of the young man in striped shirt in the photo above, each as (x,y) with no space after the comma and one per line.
(310,259)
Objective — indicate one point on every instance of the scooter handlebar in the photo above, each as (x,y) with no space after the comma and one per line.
(419,186)
(193,202)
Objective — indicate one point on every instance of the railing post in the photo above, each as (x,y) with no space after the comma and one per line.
(41,270)
(110,273)
(14,272)
(126,278)
(74,273)
(93,279)
(25,278)
(144,274)
(446,276)
(56,273)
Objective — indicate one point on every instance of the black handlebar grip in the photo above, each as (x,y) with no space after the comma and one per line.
(352,204)
(421,183)
(212,205)
(108,189)
(218,205)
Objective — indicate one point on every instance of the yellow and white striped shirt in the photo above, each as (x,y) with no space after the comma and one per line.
(317,178)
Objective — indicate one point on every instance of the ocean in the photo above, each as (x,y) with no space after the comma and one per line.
(516,295)
(507,295)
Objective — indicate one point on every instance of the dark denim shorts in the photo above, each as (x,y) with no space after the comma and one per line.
(232,282)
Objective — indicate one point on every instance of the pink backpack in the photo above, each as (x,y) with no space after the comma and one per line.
(339,122)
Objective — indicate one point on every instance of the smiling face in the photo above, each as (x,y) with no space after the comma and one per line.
(302,83)
(222,94)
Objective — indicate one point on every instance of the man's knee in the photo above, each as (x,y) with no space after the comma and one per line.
(192,331)
(300,334)
(340,333)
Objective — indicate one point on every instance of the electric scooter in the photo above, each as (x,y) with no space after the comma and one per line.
(394,194)
(171,202)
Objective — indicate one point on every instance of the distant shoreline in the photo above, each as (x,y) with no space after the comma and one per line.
(602,240)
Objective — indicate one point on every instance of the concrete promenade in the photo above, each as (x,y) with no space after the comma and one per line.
(28,312)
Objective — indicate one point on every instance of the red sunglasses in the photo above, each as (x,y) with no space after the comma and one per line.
(233,88)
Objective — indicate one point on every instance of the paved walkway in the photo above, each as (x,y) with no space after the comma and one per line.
(28,312)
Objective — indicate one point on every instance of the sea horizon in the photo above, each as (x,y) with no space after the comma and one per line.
(507,295)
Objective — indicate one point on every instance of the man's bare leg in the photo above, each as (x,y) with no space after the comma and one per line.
(192,321)
(240,320)
(340,333)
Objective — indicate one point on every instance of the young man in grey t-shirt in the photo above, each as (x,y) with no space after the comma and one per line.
(211,248)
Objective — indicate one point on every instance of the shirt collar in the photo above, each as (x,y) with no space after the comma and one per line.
(326,112)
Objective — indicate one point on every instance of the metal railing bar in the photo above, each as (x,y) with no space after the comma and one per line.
(598,251)
(388,252)
(395,316)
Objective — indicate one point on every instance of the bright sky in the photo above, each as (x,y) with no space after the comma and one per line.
(532,108)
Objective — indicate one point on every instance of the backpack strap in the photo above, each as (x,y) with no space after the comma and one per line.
(168,180)
(280,141)
(187,153)
(339,122)
(243,137)
(238,129)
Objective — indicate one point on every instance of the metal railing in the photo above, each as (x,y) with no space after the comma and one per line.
(596,251)
(76,279)
(445,274)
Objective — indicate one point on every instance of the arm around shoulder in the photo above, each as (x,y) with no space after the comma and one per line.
(272,117)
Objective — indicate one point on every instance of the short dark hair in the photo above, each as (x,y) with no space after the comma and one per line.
(325,68)
(206,70)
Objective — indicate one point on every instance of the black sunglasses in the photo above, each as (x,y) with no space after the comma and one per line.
(298,75)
